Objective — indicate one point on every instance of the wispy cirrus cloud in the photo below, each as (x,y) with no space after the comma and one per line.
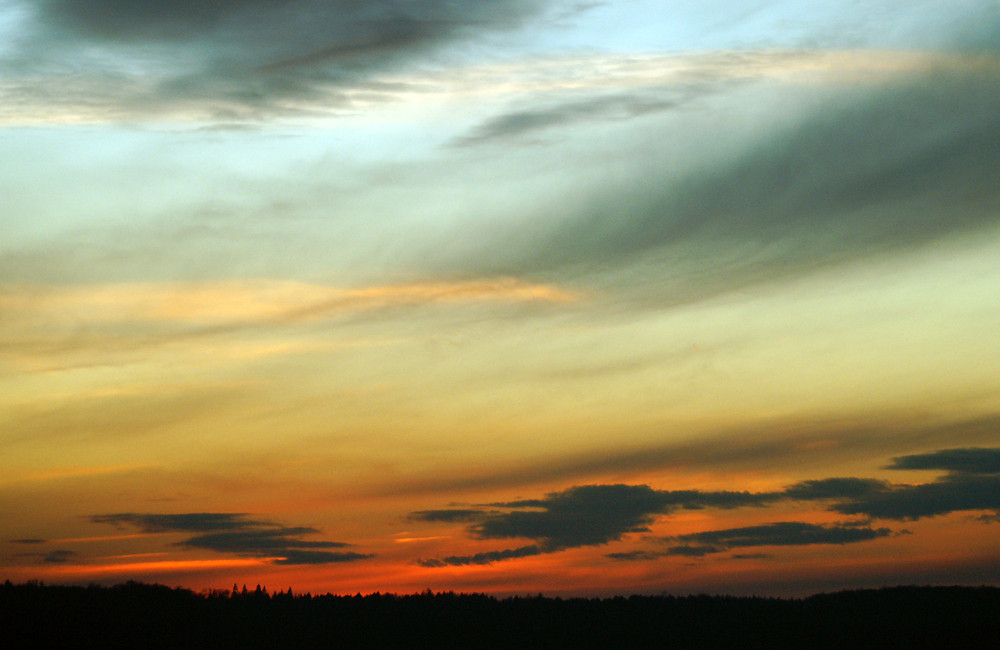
(868,174)
(122,316)
(260,300)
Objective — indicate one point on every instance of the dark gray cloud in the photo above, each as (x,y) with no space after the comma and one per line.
(318,25)
(836,488)
(226,532)
(584,515)
(488,557)
(296,556)
(907,502)
(596,514)
(688,550)
(59,556)
(520,123)
(970,460)
(632,556)
(591,515)
(51,557)
(186,522)
(785,533)
(456,515)
(972,483)
(28,541)
(257,541)
(241,57)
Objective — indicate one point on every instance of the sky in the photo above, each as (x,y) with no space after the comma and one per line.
(528,296)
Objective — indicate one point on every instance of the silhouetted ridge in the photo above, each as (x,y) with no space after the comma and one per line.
(154,616)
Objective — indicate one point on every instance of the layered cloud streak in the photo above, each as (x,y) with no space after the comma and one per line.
(238,534)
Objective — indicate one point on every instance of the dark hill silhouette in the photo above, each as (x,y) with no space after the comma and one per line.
(155,616)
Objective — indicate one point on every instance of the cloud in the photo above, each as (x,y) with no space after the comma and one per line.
(28,541)
(523,122)
(592,515)
(584,515)
(884,168)
(240,57)
(123,317)
(688,550)
(786,533)
(187,522)
(969,460)
(596,89)
(254,541)
(596,514)
(804,443)
(52,557)
(455,515)
(635,555)
(907,502)
(236,533)
(972,483)
(836,488)
(59,556)
(259,300)
(487,557)
(296,556)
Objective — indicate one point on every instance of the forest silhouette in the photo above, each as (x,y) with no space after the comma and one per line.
(155,616)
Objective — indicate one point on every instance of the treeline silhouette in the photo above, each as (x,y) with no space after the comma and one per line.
(154,616)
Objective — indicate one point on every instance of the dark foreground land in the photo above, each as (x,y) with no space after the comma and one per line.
(153,616)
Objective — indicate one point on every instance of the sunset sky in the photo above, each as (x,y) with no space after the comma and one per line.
(558,296)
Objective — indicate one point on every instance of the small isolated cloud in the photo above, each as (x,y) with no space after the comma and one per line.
(456,515)
(528,122)
(27,541)
(226,532)
(689,550)
(52,557)
(187,522)
(489,557)
(58,556)
(295,556)
(635,555)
